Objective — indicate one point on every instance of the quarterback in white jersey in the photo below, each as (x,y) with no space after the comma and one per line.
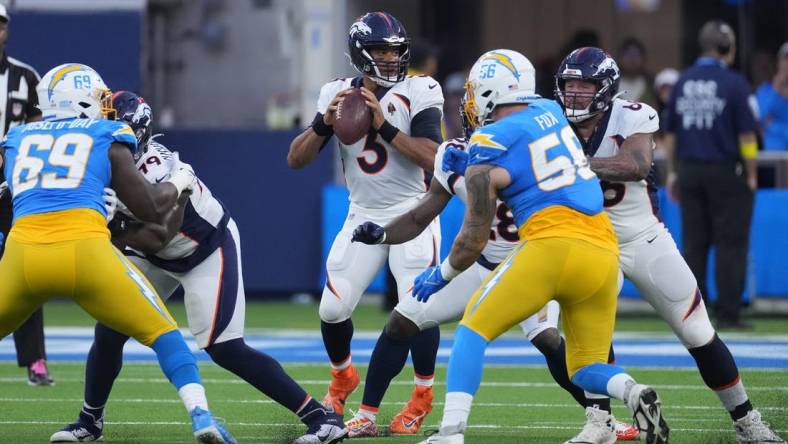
(198,248)
(385,173)
(617,135)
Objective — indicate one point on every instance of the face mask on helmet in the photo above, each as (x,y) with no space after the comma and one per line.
(593,77)
(133,110)
(468,126)
(379,48)
(73,90)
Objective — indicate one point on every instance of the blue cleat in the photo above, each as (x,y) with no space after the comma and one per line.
(208,430)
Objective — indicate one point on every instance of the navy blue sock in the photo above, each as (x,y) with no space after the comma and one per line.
(423,349)
(105,360)
(259,370)
(556,363)
(336,338)
(715,363)
(388,358)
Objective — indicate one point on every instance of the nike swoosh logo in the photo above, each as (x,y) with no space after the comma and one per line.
(410,424)
(160,179)
(432,86)
(652,117)
(652,239)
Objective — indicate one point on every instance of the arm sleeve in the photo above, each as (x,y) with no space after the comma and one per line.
(427,123)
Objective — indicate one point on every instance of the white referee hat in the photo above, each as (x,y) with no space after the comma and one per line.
(4,13)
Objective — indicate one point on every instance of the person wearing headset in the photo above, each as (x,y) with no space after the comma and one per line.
(710,132)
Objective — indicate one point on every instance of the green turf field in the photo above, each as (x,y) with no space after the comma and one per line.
(515,404)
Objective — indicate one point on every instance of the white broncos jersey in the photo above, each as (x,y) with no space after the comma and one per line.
(632,206)
(377,174)
(204,220)
(503,232)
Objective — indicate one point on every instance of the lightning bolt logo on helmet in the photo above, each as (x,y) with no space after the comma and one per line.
(499,77)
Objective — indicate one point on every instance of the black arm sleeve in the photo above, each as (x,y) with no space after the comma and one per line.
(427,123)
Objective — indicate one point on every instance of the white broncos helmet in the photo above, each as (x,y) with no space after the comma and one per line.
(74,90)
(499,77)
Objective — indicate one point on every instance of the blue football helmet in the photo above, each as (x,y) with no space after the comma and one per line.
(591,65)
(379,30)
(133,110)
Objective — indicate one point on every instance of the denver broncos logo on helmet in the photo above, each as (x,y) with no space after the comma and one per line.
(360,28)
(608,63)
(504,60)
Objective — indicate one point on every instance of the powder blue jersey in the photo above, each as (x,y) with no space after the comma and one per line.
(543,157)
(61,164)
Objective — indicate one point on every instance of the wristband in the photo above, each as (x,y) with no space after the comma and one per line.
(749,150)
(388,131)
(320,128)
(447,271)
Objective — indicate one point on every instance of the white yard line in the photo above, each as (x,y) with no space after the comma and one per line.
(268,401)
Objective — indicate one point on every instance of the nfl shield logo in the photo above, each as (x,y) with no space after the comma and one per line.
(16,109)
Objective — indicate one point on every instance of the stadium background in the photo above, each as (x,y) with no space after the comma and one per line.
(231,83)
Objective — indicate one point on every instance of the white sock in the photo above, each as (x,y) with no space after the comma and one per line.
(424,381)
(455,412)
(617,386)
(342,365)
(193,395)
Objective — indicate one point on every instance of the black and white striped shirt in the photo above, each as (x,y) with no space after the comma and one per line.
(18,103)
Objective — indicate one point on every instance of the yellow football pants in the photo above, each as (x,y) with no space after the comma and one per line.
(91,272)
(582,277)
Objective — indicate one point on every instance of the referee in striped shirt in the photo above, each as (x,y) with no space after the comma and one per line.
(19,105)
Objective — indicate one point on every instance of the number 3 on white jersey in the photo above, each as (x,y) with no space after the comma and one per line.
(76,161)
(568,168)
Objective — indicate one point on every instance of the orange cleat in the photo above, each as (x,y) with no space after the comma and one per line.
(626,432)
(408,421)
(343,383)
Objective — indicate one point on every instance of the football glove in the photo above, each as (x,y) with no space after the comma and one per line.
(110,203)
(369,233)
(429,282)
(181,174)
(455,160)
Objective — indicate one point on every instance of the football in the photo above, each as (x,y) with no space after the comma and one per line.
(353,118)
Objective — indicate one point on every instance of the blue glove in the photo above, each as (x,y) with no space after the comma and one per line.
(369,233)
(455,160)
(430,281)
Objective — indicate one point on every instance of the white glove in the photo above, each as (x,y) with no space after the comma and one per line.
(110,202)
(181,174)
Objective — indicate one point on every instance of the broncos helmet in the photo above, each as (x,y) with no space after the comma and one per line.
(376,30)
(591,65)
(133,110)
